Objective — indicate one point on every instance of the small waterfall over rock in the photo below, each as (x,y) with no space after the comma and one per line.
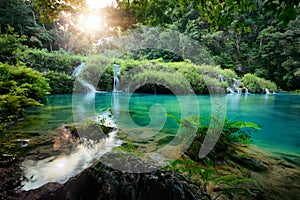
(116,78)
(267,91)
(235,89)
(89,87)
(230,90)
(246,90)
(222,78)
(236,83)
(78,69)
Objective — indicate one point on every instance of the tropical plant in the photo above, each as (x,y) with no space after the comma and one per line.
(20,87)
(59,83)
(232,132)
(229,184)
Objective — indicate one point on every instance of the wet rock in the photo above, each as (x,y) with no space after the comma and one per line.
(165,140)
(250,163)
(102,182)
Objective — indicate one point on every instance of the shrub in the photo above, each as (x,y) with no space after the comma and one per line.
(232,132)
(10,45)
(59,83)
(136,73)
(43,61)
(256,84)
(20,87)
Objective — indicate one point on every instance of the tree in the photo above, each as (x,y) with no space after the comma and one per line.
(50,10)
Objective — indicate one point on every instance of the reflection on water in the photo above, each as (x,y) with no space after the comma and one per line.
(62,167)
(278,114)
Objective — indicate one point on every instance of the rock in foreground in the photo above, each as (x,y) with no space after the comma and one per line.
(102,182)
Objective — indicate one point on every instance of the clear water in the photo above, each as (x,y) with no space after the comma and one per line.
(279,115)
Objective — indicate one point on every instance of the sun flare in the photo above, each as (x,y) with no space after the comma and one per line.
(89,22)
(96,4)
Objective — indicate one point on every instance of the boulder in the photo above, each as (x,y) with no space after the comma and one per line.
(103,182)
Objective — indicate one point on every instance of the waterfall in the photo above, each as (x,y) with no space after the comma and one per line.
(116,78)
(78,70)
(246,90)
(230,90)
(89,87)
(267,91)
(236,83)
(222,78)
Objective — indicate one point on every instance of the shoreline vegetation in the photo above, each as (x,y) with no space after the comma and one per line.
(246,172)
(161,47)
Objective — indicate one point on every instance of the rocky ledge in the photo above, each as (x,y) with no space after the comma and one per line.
(102,182)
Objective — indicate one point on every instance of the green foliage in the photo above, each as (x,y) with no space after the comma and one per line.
(232,132)
(159,74)
(152,54)
(257,84)
(50,10)
(150,76)
(43,60)
(20,87)
(126,147)
(10,45)
(192,168)
(59,83)
(230,184)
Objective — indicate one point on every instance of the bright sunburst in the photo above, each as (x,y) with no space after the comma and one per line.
(95,4)
(89,22)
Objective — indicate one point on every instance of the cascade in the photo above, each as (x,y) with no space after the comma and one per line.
(78,69)
(267,91)
(222,78)
(116,78)
(89,87)
(230,90)
(246,90)
(236,83)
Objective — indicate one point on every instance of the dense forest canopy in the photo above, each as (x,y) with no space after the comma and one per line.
(260,37)
(254,40)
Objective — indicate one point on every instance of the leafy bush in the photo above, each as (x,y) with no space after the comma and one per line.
(42,60)
(10,45)
(165,73)
(152,54)
(257,84)
(59,83)
(20,87)
(154,73)
(160,76)
(227,185)
(232,132)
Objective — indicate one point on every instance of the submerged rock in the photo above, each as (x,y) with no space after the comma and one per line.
(249,162)
(102,182)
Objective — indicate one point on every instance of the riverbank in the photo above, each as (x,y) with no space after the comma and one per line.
(277,175)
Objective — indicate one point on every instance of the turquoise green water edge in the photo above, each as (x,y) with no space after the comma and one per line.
(279,114)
